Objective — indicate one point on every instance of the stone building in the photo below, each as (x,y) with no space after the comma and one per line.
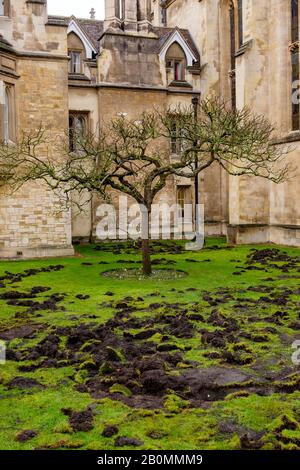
(250,55)
(70,73)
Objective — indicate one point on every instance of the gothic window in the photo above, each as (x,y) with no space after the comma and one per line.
(8,114)
(78,126)
(175,64)
(178,70)
(184,197)
(177,137)
(295,64)
(4,7)
(176,67)
(181,199)
(77,53)
(75,64)
(174,140)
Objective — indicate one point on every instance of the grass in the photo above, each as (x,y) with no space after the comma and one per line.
(178,424)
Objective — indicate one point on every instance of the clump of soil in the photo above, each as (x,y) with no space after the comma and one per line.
(251,442)
(272,258)
(285,431)
(110,431)
(289,384)
(24,383)
(82,297)
(29,299)
(26,435)
(127,441)
(15,295)
(50,303)
(11,278)
(22,331)
(80,420)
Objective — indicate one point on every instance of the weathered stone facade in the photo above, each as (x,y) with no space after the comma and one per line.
(56,70)
(258,211)
(128,75)
(34,68)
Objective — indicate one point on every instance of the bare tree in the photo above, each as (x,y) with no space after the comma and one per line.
(133,156)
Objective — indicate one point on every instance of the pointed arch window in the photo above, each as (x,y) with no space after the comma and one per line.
(294,48)
(175,64)
(8,114)
(6,120)
(78,128)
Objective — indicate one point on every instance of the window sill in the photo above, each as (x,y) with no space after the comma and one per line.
(9,142)
(78,76)
(180,83)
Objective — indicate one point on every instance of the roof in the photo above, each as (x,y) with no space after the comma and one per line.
(164,33)
(95,28)
(92,28)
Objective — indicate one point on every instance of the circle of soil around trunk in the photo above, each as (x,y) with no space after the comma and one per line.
(157,274)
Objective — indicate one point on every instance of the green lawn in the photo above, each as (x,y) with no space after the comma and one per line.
(198,362)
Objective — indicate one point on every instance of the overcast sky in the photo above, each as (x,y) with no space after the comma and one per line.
(79,8)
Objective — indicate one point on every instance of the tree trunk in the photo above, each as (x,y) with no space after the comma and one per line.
(147,270)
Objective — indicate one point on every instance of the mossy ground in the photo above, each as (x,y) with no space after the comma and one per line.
(259,345)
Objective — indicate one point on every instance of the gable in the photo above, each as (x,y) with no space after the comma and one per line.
(88,46)
(177,37)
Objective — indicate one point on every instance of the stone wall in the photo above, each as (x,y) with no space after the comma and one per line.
(258,211)
(263,211)
(32,222)
(129,59)
(27,29)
